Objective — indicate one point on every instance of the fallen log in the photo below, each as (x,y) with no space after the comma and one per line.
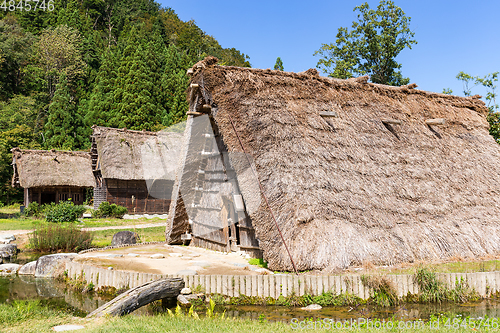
(139,296)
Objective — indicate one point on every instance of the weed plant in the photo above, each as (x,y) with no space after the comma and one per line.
(52,237)
(384,293)
(434,291)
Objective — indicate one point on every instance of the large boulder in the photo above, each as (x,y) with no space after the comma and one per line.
(6,239)
(124,237)
(27,269)
(11,249)
(9,269)
(48,266)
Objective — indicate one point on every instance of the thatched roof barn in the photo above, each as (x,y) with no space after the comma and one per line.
(353,171)
(135,169)
(50,175)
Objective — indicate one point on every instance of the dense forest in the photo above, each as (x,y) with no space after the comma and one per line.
(117,63)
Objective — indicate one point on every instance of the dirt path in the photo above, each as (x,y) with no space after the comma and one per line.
(172,259)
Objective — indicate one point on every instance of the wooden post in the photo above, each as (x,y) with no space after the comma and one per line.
(391,121)
(328,114)
(26,197)
(435,122)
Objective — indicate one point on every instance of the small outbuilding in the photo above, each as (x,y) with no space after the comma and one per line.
(134,169)
(321,173)
(51,175)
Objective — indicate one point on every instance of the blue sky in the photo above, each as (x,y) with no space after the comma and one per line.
(452,36)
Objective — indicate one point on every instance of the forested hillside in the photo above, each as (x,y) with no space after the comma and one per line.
(117,63)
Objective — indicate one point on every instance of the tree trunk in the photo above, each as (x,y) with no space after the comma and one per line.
(139,296)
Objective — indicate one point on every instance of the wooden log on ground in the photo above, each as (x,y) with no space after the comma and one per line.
(139,296)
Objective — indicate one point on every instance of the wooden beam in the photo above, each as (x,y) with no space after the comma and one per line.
(435,122)
(328,114)
(392,121)
(194,85)
(206,107)
(190,71)
(139,296)
(193,113)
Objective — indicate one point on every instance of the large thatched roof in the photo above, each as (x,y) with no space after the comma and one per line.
(37,168)
(137,155)
(375,183)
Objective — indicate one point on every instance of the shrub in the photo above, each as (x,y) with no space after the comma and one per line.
(34,209)
(64,211)
(55,237)
(110,210)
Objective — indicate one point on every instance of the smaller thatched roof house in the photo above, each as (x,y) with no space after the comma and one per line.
(52,176)
(134,169)
(348,171)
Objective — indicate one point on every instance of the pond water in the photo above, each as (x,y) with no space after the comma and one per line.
(55,294)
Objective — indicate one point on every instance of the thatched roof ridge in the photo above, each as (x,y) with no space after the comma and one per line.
(354,188)
(37,168)
(136,155)
(472,102)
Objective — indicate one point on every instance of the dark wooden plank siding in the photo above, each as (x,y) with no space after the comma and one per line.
(135,196)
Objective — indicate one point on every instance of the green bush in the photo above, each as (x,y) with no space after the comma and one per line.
(34,209)
(52,237)
(64,211)
(109,210)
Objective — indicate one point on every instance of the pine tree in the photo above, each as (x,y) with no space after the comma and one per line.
(136,91)
(174,84)
(101,106)
(279,65)
(64,128)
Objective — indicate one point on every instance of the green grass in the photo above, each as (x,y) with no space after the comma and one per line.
(18,224)
(111,222)
(257,262)
(11,209)
(447,267)
(32,316)
(29,223)
(164,323)
(29,316)
(103,238)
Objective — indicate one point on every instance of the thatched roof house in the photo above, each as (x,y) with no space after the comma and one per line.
(135,169)
(352,171)
(50,175)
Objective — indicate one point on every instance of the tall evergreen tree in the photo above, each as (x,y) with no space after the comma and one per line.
(137,92)
(174,85)
(64,128)
(101,106)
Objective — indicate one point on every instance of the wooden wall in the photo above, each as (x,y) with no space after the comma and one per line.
(134,195)
(55,194)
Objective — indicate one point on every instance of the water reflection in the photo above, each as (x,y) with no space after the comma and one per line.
(404,312)
(55,294)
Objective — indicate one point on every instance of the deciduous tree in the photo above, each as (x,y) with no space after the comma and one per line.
(371,46)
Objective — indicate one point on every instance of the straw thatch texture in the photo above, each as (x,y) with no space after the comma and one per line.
(352,188)
(38,168)
(137,155)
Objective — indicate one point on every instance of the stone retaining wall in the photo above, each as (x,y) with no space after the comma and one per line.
(280,284)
